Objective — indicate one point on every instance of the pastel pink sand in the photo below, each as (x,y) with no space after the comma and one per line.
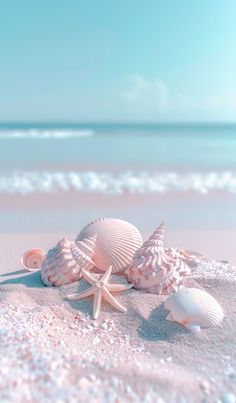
(52,350)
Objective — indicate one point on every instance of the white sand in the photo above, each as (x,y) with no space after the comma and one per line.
(52,351)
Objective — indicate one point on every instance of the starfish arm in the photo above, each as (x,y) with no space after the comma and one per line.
(97,303)
(109,298)
(81,295)
(88,277)
(106,276)
(118,287)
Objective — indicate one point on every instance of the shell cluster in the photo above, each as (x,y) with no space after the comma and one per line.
(103,242)
(156,268)
(64,262)
(117,242)
(194,308)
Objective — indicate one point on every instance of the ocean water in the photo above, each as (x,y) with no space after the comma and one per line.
(117,158)
(188,171)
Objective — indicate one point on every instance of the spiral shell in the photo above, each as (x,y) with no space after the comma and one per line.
(156,269)
(194,308)
(117,241)
(32,259)
(64,262)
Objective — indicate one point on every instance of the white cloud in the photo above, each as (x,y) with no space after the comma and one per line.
(153,99)
(145,93)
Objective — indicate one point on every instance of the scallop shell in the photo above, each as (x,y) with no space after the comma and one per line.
(155,270)
(194,308)
(117,241)
(64,262)
(32,259)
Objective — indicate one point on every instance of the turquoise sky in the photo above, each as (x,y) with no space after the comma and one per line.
(117,60)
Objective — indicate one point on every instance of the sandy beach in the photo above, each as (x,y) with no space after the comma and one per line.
(115,111)
(52,350)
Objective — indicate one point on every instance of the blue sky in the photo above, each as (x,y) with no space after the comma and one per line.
(118,60)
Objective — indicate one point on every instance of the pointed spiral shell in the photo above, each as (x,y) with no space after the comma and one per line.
(87,245)
(155,270)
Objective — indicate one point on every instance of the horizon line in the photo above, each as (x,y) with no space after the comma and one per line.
(117,122)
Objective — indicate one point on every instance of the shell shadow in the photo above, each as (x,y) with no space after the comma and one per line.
(13,273)
(84,305)
(31,280)
(156,327)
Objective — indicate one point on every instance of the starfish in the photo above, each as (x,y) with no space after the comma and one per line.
(101,289)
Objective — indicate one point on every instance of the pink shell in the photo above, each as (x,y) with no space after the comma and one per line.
(156,269)
(117,241)
(32,259)
(64,262)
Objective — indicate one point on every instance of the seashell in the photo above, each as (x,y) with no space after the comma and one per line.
(32,259)
(194,308)
(190,254)
(155,270)
(191,258)
(87,245)
(117,241)
(64,262)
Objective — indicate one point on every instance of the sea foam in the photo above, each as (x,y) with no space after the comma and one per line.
(45,133)
(27,182)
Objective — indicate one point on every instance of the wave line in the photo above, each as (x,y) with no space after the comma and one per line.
(28,182)
(45,133)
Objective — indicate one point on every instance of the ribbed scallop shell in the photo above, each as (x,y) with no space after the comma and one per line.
(155,270)
(194,308)
(32,259)
(64,262)
(117,241)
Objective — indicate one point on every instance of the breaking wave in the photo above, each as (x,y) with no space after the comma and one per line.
(28,182)
(45,133)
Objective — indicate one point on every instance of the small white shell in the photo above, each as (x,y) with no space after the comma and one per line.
(64,262)
(194,308)
(117,241)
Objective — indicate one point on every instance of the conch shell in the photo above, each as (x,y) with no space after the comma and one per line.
(155,270)
(194,308)
(64,262)
(32,259)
